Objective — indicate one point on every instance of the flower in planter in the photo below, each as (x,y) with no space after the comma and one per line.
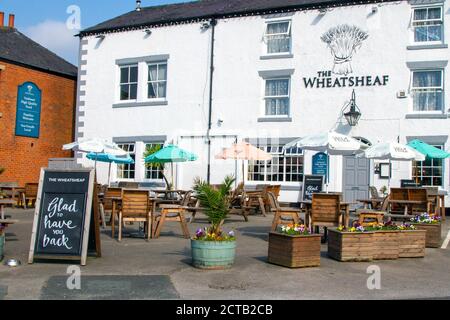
(208,234)
(426,218)
(356,228)
(406,226)
(295,230)
(383,227)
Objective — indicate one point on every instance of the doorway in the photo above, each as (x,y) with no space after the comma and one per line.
(356,178)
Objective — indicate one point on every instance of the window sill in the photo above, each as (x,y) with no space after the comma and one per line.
(427,46)
(277,56)
(275,119)
(426,116)
(141,104)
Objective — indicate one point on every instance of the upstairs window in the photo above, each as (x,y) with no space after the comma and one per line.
(277,97)
(278,37)
(157,80)
(427,90)
(128,82)
(428,24)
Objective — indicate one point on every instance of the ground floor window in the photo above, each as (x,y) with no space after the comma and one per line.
(429,172)
(284,166)
(153,172)
(127,171)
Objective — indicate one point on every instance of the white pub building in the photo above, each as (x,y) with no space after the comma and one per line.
(205,74)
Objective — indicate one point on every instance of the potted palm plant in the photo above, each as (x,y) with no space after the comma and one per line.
(212,247)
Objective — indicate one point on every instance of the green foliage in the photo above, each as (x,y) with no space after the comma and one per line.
(149,150)
(215,201)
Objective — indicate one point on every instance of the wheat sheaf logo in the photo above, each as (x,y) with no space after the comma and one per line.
(30,88)
(344,41)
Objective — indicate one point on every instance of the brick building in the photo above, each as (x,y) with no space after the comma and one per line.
(37,105)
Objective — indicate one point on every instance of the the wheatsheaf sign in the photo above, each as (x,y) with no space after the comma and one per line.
(344,41)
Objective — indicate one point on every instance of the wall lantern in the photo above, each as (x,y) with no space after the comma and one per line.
(354,114)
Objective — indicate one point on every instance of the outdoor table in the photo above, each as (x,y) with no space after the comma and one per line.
(16,192)
(407,203)
(3,203)
(371,203)
(307,204)
(166,193)
(253,196)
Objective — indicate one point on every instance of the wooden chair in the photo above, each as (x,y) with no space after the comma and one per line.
(419,194)
(136,207)
(282,215)
(29,194)
(172,213)
(325,211)
(398,194)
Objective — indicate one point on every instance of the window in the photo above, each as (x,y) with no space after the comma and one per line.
(128,82)
(277,97)
(427,90)
(284,167)
(429,172)
(127,171)
(428,24)
(157,80)
(278,37)
(153,172)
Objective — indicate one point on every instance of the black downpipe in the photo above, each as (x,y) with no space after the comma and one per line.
(211,78)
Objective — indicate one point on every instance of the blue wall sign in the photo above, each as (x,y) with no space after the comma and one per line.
(28,116)
(320,164)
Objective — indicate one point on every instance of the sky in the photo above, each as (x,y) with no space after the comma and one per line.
(53,23)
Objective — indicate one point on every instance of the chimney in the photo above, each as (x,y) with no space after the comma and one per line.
(2,19)
(11,21)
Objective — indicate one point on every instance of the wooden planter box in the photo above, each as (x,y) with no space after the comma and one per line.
(294,251)
(386,245)
(351,246)
(411,243)
(434,231)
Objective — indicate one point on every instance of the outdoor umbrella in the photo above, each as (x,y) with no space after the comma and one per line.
(109,158)
(392,151)
(170,154)
(428,151)
(332,143)
(243,151)
(95,145)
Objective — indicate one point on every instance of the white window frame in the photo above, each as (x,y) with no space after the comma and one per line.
(287,34)
(129,66)
(419,165)
(413,89)
(265,166)
(264,115)
(162,143)
(135,162)
(416,23)
(156,63)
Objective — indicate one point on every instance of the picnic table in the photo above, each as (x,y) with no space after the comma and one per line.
(407,203)
(371,203)
(255,199)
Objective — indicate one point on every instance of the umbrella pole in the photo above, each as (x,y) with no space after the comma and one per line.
(109,175)
(243,172)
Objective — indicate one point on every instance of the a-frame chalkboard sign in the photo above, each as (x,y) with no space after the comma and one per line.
(66,221)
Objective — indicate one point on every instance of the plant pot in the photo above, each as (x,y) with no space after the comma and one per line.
(411,243)
(434,232)
(294,251)
(213,255)
(386,245)
(350,246)
(2,245)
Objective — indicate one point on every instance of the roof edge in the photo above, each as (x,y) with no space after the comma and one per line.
(274,10)
(29,66)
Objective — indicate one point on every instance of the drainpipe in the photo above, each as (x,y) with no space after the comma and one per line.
(213,24)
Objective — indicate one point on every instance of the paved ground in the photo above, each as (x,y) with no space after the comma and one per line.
(160,269)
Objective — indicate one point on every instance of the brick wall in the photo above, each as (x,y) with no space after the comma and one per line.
(23,157)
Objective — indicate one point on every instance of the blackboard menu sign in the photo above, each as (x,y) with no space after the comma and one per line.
(311,184)
(62,220)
